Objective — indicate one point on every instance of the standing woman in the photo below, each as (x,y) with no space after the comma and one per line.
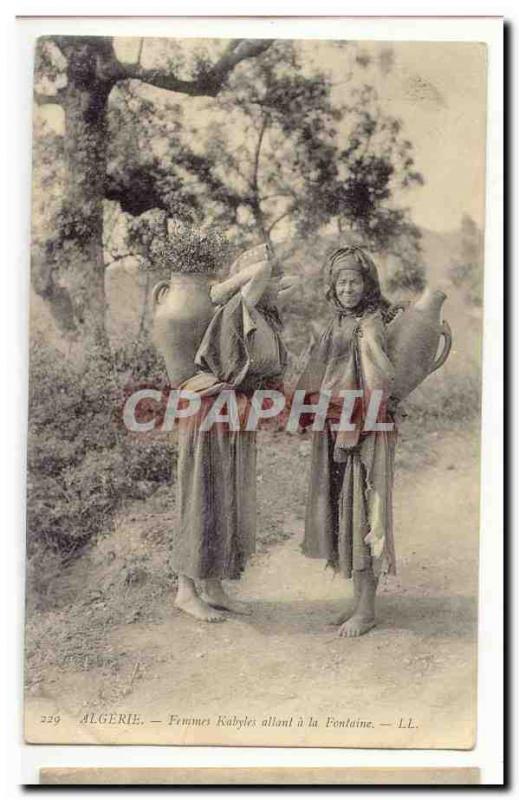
(349,507)
(216,494)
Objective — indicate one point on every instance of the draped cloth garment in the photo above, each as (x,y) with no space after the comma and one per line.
(349,508)
(216,469)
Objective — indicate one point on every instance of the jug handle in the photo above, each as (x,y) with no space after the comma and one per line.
(158,291)
(446,332)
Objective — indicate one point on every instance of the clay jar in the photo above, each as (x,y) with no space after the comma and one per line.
(413,340)
(182,310)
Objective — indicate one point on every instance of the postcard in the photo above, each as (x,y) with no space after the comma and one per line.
(256,326)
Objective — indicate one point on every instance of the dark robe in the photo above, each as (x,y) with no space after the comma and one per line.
(216,469)
(349,507)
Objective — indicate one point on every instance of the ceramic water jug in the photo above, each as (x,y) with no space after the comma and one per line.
(182,310)
(413,340)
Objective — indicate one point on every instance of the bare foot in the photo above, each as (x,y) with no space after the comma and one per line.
(195,607)
(343,616)
(214,594)
(356,626)
(357,591)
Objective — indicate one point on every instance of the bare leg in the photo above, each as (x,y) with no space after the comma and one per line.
(214,594)
(363,618)
(344,615)
(188,600)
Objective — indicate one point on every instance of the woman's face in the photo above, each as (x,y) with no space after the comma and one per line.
(349,288)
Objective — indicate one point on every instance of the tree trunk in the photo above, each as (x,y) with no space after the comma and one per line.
(85,102)
(69,271)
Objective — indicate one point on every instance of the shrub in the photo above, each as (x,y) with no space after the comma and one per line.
(82,463)
(466,270)
(148,459)
(447,397)
(138,363)
(189,249)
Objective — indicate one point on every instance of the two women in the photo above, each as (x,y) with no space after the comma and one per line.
(348,520)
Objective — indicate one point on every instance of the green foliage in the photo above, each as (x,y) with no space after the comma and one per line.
(359,195)
(467,270)
(148,459)
(447,398)
(306,161)
(71,433)
(285,121)
(82,464)
(138,363)
(49,67)
(152,163)
(276,154)
(190,250)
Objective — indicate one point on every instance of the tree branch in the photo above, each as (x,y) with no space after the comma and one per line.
(281,216)
(255,171)
(274,195)
(141,48)
(207,84)
(255,201)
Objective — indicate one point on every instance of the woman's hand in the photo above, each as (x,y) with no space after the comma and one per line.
(252,256)
(258,283)
(250,273)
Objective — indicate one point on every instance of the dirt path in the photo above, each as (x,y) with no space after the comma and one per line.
(286,662)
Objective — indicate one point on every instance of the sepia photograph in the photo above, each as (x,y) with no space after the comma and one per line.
(255,380)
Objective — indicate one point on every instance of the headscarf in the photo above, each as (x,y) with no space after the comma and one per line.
(354,258)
